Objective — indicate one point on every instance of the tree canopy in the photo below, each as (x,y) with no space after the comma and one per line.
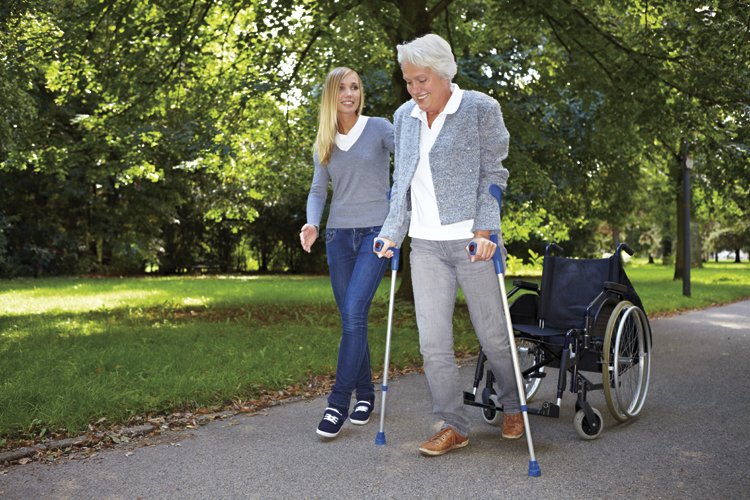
(177,133)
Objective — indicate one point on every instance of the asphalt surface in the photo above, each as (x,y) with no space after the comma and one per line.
(690,441)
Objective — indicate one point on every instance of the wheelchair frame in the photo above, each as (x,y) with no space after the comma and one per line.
(615,340)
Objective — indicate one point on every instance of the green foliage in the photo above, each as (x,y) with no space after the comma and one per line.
(145,114)
(516,267)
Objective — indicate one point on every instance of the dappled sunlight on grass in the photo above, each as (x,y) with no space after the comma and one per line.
(38,296)
(73,350)
(32,302)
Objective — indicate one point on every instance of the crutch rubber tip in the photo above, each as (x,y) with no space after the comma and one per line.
(534,469)
(381,438)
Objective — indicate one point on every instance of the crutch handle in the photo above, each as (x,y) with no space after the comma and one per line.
(497,258)
(394,260)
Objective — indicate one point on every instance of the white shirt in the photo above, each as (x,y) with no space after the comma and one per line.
(344,142)
(425,218)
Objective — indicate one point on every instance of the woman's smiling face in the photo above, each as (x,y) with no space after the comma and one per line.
(429,91)
(349,94)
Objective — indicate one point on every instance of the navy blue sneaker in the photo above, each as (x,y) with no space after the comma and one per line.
(362,410)
(332,421)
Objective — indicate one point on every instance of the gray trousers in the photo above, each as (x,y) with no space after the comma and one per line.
(438,268)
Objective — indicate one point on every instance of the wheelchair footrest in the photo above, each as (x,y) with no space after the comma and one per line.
(469,399)
(547,410)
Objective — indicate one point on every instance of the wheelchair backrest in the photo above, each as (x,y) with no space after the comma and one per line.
(570,285)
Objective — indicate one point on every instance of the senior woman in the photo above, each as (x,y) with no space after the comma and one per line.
(450,144)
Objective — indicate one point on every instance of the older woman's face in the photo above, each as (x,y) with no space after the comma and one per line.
(348,96)
(429,91)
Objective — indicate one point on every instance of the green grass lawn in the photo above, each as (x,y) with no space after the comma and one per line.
(74,350)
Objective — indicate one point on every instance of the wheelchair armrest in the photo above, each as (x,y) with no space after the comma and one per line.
(611,286)
(526,285)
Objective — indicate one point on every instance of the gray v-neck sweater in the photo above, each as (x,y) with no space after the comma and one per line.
(360,180)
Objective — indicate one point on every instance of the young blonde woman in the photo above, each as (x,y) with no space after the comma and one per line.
(353,152)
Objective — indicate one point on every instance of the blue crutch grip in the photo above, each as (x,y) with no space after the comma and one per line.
(394,260)
(497,258)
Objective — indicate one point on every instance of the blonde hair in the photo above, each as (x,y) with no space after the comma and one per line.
(429,51)
(328,117)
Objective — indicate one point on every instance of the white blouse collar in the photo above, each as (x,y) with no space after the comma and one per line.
(344,142)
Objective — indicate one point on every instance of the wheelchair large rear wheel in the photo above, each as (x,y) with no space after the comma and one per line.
(529,354)
(626,362)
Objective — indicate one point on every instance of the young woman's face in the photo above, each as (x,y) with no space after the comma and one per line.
(348,97)
(429,91)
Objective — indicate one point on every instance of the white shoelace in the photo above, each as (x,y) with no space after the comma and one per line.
(363,406)
(331,418)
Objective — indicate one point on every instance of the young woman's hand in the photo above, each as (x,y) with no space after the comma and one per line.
(307,236)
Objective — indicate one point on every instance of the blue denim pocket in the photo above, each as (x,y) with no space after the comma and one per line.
(330,235)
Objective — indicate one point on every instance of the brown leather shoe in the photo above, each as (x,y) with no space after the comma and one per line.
(513,426)
(444,441)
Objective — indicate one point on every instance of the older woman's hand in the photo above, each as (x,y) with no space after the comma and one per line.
(307,236)
(485,248)
(384,251)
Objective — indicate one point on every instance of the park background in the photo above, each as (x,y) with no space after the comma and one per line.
(173,139)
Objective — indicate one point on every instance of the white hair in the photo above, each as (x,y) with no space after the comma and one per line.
(429,51)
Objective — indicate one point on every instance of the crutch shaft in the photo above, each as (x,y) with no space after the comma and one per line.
(380,439)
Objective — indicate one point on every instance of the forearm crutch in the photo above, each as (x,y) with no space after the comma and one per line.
(534,469)
(380,439)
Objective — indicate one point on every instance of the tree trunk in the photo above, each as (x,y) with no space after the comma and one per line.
(415,21)
(737,256)
(679,250)
(696,246)
(616,237)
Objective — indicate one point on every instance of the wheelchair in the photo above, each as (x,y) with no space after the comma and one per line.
(586,317)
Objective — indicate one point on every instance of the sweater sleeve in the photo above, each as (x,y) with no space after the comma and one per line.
(316,200)
(396,224)
(388,136)
(494,140)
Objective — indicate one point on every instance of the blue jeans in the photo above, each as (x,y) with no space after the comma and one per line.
(356,272)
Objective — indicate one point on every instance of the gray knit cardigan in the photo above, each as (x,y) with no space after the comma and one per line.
(465,159)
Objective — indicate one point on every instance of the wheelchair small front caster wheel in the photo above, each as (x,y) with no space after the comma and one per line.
(584,428)
(491,416)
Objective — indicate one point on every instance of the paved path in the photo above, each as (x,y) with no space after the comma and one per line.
(690,441)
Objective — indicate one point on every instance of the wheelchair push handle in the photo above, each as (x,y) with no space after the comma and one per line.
(553,246)
(624,246)
(394,260)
